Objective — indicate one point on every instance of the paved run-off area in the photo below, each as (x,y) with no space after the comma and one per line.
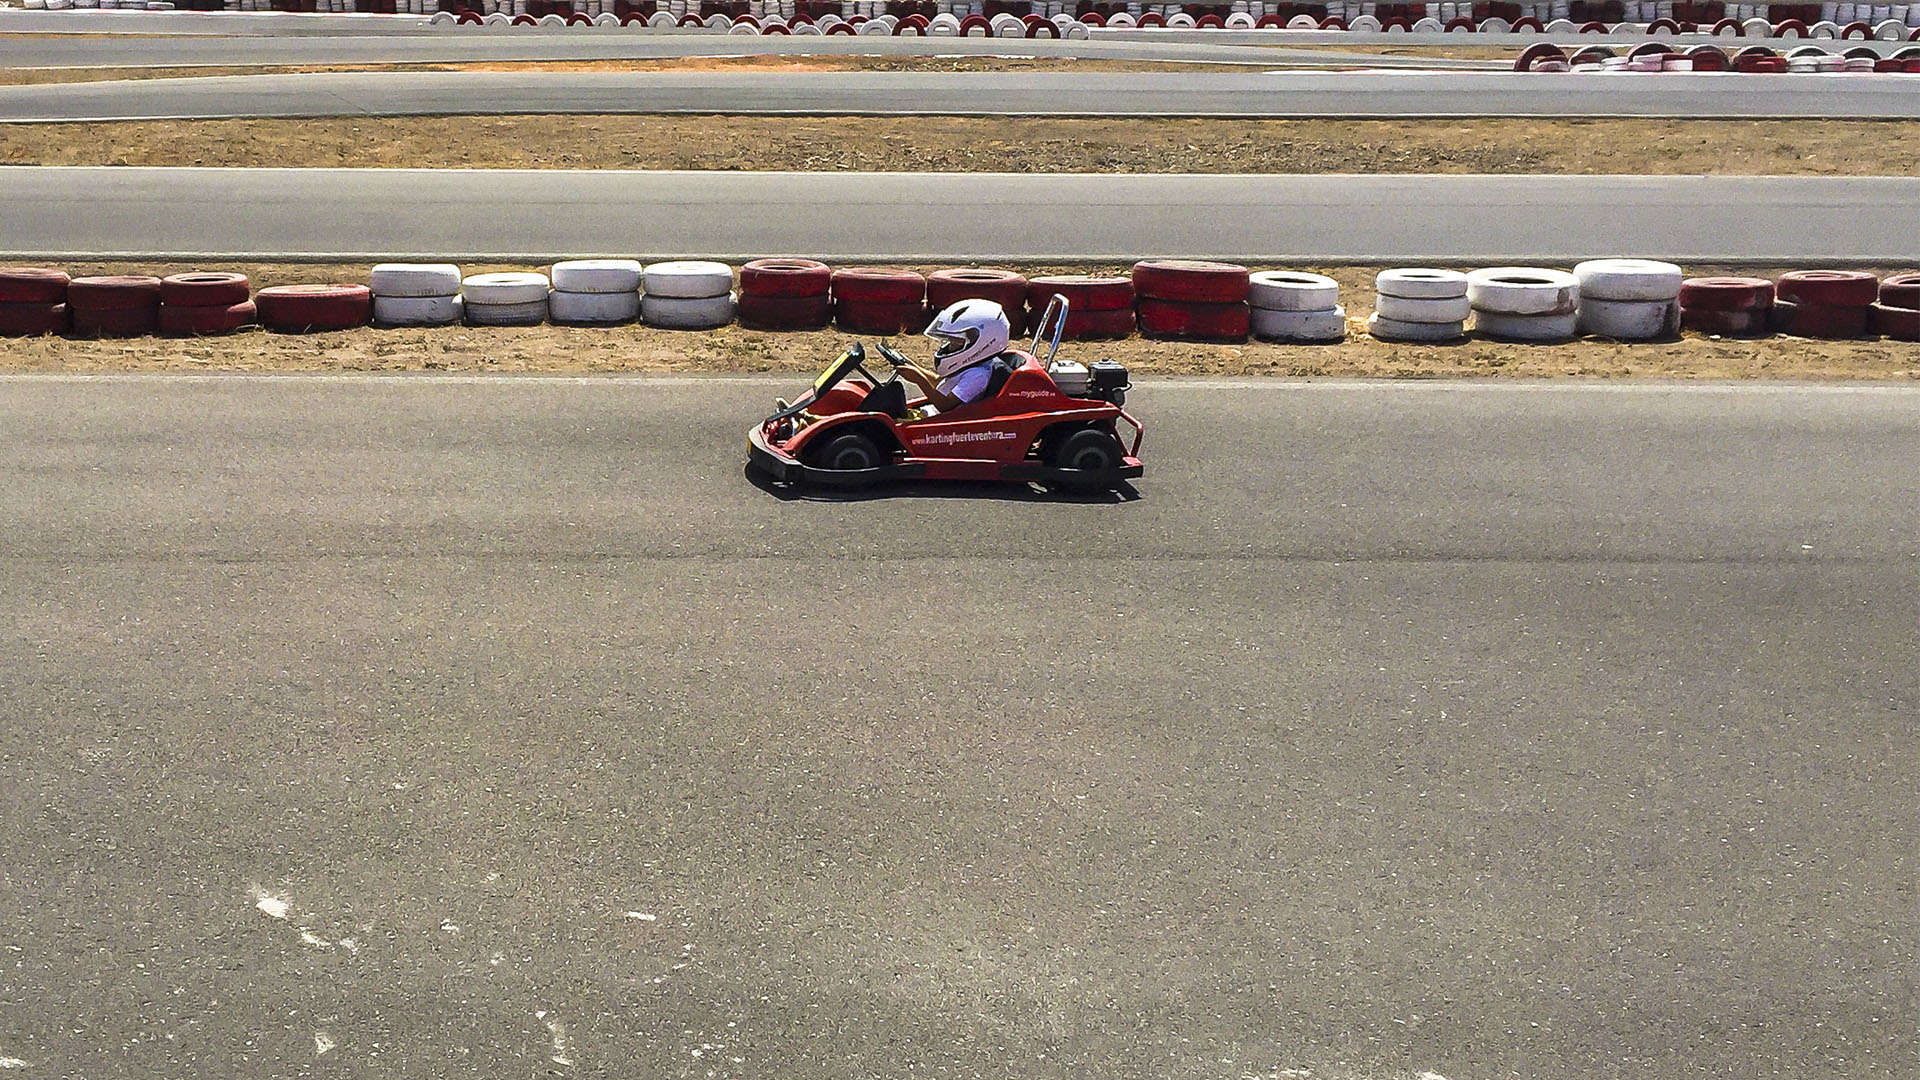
(482,727)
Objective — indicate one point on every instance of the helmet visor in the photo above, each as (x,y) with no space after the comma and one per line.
(952,343)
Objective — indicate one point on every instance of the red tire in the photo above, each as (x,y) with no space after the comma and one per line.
(1901,291)
(1708,58)
(1334,22)
(785,277)
(121,322)
(1151,18)
(691,20)
(1780,29)
(1819,320)
(579,18)
(1083,293)
(872,318)
(1093,18)
(119,292)
(1648,48)
(1204,22)
(1754,322)
(1003,287)
(1190,281)
(1729,24)
(32,285)
(1864,31)
(870,285)
(307,309)
(764,312)
(204,289)
(32,319)
(1536,52)
(974,22)
(1898,323)
(1528,22)
(1042,28)
(1094,325)
(525,20)
(1183,321)
(1828,288)
(1657,25)
(775,30)
(1593,28)
(205,318)
(1459,24)
(1725,294)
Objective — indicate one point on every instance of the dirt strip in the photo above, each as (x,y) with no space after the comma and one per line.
(999,144)
(732,349)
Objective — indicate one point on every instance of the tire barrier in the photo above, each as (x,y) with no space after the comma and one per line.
(114,307)
(1188,300)
(1728,306)
(1824,303)
(308,309)
(514,298)
(1620,299)
(1003,287)
(33,301)
(1056,18)
(1628,299)
(595,292)
(416,294)
(1418,304)
(1296,308)
(1098,308)
(871,300)
(785,294)
(1528,304)
(687,295)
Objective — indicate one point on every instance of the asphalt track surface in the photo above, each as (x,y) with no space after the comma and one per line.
(476,728)
(424,45)
(1355,94)
(510,215)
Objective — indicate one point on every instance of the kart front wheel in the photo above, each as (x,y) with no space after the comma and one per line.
(1092,452)
(852,452)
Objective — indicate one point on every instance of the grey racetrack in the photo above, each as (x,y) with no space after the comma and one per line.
(1358,94)
(361,214)
(477,728)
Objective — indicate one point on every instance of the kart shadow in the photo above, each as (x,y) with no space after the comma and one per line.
(943,489)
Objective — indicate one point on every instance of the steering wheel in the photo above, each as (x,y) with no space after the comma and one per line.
(890,354)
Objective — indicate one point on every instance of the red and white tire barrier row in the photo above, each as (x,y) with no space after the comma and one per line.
(1167,299)
(1656,57)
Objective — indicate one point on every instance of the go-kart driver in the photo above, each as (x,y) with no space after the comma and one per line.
(972,335)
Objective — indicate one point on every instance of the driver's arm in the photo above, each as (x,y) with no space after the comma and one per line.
(928,385)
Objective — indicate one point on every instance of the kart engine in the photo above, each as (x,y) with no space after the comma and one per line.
(1104,380)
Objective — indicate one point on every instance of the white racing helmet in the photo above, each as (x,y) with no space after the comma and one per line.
(968,332)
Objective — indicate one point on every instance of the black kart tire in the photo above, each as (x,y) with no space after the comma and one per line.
(1088,451)
(849,452)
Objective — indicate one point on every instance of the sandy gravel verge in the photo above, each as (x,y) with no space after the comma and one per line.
(995,144)
(638,348)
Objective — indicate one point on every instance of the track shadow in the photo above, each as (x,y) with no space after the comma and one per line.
(945,489)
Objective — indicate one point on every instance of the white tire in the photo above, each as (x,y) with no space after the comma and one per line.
(1290,290)
(1180,20)
(416,310)
(594,308)
(806,30)
(551,20)
(1523,290)
(1496,25)
(1308,22)
(1421,283)
(443,18)
(1627,279)
(1533,329)
(606,21)
(660,20)
(1401,309)
(509,288)
(527,313)
(1757,27)
(689,279)
(1394,330)
(686,313)
(1364,24)
(1078,32)
(873,28)
(1629,320)
(1239,20)
(1428,26)
(1300,326)
(744,30)
(1121,21)
(597,276)
(496,19)
(415,279)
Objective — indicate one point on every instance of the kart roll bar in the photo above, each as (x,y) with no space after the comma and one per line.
(1040,329)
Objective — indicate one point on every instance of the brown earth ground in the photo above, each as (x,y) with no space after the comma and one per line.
(638,348)
(990,144)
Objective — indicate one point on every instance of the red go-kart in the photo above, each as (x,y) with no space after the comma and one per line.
(851,430)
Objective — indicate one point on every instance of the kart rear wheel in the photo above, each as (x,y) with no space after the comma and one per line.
(1089,451)
(851,452)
